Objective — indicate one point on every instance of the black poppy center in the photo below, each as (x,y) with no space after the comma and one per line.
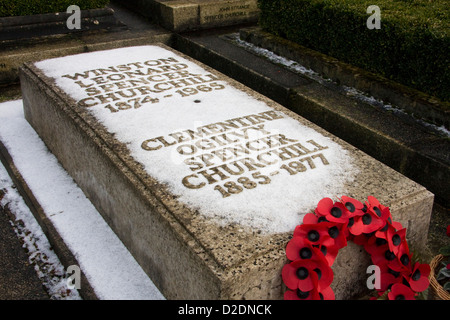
(336,212)
(377,211)
(323,249)
(394,273)
(302,273)
(313,236)
(366,219)
(351,221)
(333,232)
(416,275)
(305,253)
(302,295)
(389,255)
(400,297)
(350,206)
(322,219)
(319,273)
(380,242)
(396,240)
(404,259)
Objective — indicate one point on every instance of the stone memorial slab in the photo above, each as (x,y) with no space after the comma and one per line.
(202,179)
(182,15)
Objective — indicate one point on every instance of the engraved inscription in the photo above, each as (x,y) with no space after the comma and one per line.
(229,12)
(217,147)
(225,155)
(137,84)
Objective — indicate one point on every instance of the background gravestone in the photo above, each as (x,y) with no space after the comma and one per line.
(183,15)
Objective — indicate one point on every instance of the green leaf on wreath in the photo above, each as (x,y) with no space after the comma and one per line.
(443,273)
(384,296)
(447,286)
(422,295)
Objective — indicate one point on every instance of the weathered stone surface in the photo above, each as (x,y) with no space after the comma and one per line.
(202,178)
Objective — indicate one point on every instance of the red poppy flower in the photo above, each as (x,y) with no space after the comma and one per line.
(330,253)
(402,261)
(296,275)
(315,294)
(376,246)
(382,212)
(419,277)
(353,206)
(332,211)
(362,239)
(300,295)
(388,224)
(314,233)
(327,294)
(374,204)
(337,235)
(300,248)
(367,223)
(401,292)
(310,218)
(448,230)
(383,232)
(395,239)
(388,279)
(307,274)
(384,256)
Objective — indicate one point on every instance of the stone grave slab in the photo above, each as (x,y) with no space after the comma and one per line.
(203,179)
(182,15)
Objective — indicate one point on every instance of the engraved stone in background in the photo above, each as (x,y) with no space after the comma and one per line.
(202,179)
(182,15)
(222,13)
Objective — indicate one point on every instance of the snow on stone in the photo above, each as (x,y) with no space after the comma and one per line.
(104,260)
(41,256)
(274,207)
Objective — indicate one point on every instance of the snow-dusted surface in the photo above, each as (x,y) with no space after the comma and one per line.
(274,207)
(296,67)
(104,260)
(41,256)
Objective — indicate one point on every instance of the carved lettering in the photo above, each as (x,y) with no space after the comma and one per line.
(230,155)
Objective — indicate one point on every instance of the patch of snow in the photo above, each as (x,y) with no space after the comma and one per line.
(292,65)
(296,67)
(271,208)
(104,260)
(41,255)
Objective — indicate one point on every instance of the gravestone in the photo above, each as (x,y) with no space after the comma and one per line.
(182,15)
(203,179)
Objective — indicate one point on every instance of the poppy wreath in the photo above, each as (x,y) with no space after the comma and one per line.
(315,245)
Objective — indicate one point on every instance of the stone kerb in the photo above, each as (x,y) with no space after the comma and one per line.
(201,178)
